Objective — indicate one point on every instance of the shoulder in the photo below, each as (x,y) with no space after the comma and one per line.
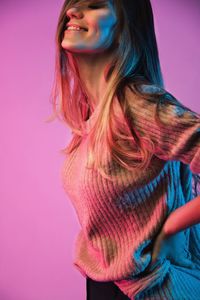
(144,94)
(143,99)
(148,92)
(150,99)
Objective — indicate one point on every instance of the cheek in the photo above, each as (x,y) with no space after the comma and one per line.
(94,25)
(107,24)
(102,29)
(103,22)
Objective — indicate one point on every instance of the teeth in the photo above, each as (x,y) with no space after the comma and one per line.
(74,28)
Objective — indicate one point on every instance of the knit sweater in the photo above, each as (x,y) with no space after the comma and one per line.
(119,220)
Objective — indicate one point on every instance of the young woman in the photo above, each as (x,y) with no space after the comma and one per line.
(134,152)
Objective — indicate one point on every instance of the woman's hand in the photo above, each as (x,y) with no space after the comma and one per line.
(157,246)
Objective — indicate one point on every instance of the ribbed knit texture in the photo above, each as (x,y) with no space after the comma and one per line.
(120,219)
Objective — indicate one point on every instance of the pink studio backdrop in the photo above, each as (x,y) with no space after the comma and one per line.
(38,224)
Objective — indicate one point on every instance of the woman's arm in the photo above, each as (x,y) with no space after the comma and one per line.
(183,217)
(180,219)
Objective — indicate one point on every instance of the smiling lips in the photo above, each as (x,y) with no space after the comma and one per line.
(74,27)
(74,30)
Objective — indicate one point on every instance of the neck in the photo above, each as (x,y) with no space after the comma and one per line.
(92,68)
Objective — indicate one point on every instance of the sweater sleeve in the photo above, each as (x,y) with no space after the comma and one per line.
(176,136)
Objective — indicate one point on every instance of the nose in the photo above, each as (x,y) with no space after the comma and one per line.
(74,12)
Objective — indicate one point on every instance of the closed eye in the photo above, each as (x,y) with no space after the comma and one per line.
(95,6)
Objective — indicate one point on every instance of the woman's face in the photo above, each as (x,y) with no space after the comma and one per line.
(98,18)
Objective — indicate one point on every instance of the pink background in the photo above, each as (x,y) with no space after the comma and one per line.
(38,224)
